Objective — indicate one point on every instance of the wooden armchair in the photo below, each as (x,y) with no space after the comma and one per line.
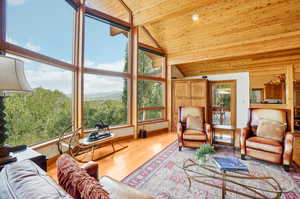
(270,147)
(193,137)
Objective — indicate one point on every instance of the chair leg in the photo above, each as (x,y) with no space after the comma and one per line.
(180,148)
(286,168)
(243,157)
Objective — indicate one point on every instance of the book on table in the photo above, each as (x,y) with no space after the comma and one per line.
(229,164)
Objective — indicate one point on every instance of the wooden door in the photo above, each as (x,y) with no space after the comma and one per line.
(189,92)
(181,97)
(199,94)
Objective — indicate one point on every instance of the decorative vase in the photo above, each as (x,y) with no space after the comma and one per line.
(204,159)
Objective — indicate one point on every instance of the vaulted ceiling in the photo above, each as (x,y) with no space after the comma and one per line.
(226,29)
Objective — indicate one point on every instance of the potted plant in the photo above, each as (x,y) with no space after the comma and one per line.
(203,153)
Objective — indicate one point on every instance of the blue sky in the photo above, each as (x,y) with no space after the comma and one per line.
(46,26)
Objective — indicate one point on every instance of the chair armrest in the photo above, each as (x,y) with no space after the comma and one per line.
(179,133)
(288,148)
(209,133)
(91,168)
(245,133)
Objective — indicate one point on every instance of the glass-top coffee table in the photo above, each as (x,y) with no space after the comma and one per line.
(241,183)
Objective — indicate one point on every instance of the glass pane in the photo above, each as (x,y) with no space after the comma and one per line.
(149,64)
(221,100)
(268,89)
(42,26)
(256,96)
(43,114)
(150,115)
(150,93)
(105,98)
(105,46)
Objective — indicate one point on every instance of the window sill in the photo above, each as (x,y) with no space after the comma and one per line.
(151,121)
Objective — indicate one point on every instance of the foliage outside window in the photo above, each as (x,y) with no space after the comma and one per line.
(45,112)
(105,98)
(150,92)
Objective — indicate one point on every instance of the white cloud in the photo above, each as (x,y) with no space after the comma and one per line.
(16,2)
(115,66)
(97,84)
(50,78)
(32,47)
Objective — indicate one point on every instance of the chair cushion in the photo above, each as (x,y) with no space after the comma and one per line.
(76,181)
(264,144)
(184,112)
(194,135)
(271,129)
(194,123)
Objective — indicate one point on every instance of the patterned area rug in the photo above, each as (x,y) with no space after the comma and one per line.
(163,178)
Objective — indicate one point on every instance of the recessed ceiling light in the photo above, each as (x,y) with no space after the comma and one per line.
(195,17)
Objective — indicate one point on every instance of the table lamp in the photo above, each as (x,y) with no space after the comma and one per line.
(12,78)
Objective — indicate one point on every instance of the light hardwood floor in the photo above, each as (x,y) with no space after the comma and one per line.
(139,151)
(122,163)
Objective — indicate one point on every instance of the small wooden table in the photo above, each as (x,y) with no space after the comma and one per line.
(30,154)
(226,128)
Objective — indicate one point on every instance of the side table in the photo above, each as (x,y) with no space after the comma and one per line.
(30,154)
(225,128)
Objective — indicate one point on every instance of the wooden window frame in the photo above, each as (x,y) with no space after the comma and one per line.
(163,80)
(233,105)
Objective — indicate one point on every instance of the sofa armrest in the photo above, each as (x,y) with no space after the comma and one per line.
(91,168)
(209,133)
(288,148)
(119,190)
(245,133)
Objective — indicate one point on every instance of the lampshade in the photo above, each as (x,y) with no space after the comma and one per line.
(12,77)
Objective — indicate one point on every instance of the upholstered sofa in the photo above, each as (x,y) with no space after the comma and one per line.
(26,180)
(272,147)
(196,135)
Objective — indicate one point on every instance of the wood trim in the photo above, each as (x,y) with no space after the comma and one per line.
(169,94)
(152,48)
(151,78)
(2,24)
(290,93)
(134,79)
(269,106)
(23,52)
(107,73)
(126,7)
(151,108)
(102,15)
(151,121)
(151,37)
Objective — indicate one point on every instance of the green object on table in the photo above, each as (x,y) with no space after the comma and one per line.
(203,151)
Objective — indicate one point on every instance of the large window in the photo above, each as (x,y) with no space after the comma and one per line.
(45,112)
(43,26)
(151,85)
(105,46)
(105,98)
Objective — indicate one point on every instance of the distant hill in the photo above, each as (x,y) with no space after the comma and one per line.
(115,95)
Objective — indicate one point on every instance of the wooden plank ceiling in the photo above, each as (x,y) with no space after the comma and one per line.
(229,33)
